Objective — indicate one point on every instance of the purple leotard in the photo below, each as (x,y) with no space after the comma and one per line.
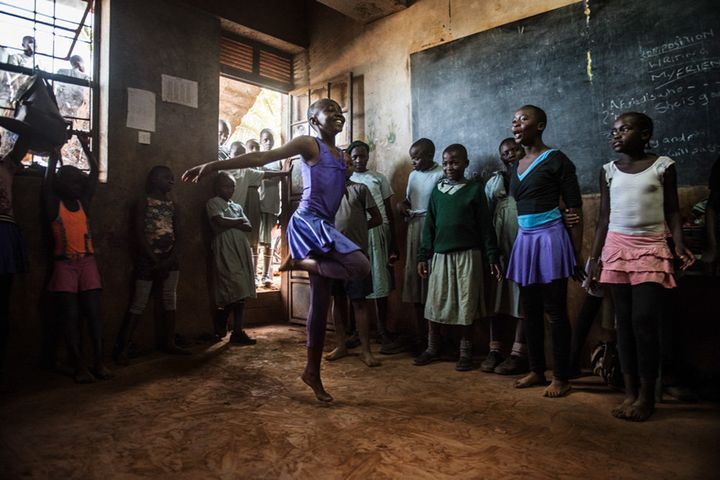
(312,226)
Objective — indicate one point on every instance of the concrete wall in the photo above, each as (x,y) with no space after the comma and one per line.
(379,53)
(147,39)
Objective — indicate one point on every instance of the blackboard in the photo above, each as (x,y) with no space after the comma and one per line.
(583,64)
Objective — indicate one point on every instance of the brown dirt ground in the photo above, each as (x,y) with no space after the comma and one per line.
(229,412)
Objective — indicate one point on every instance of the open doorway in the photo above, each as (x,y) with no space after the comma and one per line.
(251,117)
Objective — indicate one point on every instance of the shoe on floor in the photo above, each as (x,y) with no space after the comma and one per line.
(353,341)
(267,282)
(242,338)
(425,358)
(391,348)
(493,359)
(464,364)
(513,365)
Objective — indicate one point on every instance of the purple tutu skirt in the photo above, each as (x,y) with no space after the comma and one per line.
(308,233)
(13,258)
(541,255)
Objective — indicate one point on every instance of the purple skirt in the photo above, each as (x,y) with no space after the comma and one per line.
(13,258)
(541,255)
(308,233)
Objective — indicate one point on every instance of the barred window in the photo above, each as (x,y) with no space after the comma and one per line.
(58,39)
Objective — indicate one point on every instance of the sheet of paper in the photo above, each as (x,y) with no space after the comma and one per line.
(179,90)
(141,109)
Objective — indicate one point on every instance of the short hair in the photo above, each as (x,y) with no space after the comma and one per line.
(507,140)
(542,116)
(28,37)
(225,124)
(316,105)
(456,147)
(252,140)
(219,176)
(237,144)
(268,131)
(76,58)
(357,143)
(643,121)
(426,142)
(152,174)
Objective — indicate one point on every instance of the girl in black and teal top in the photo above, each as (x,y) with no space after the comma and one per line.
(544,256)
(457,228)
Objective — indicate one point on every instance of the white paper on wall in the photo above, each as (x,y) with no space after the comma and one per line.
(179,90)
(141,109)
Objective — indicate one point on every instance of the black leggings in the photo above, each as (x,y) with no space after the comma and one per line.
(5,288)
(73,308)
(550,298)
(590,308)
(638,310)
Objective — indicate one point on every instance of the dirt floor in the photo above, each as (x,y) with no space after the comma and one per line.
(241,412)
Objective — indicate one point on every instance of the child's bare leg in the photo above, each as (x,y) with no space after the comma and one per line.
(339,309)
(421,329)
(644,406)
(68,305)
(631,394)
(317,319)
(90,304)
(362,318)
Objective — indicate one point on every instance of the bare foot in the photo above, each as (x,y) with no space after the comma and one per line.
(82,375)
(620,411)
(314,382)
(369,360)
(101,372)
(640,411)
(530,380)
(557,388)
(336,354)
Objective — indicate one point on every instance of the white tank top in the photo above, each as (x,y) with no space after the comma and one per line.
(637,199)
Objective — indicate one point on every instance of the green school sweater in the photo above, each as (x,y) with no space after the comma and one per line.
(458,221)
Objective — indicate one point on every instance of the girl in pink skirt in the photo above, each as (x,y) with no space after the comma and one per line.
(638,203)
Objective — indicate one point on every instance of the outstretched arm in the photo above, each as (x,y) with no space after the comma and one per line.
(672,217)
(304,146)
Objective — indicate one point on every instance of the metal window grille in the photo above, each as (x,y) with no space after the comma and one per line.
(61,29)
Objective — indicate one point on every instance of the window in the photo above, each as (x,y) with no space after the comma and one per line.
(58,38)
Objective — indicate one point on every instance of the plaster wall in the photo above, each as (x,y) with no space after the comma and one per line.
(147,39)
(379,54)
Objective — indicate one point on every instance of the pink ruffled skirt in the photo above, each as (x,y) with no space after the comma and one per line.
(636,259)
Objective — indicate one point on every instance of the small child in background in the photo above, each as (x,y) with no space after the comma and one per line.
(638,203)
(156,235)
(382,247)
(422,181)
(252,145)
(269,208)
(233,277)
(236,148)
(75,280)
(13,256)
(457,228)
(507,293)
(352,221)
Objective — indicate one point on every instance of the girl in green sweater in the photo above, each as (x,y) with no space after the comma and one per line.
(458,231)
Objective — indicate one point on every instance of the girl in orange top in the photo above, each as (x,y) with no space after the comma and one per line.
(75,280)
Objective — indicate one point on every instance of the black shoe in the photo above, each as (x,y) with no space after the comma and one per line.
(493,359)
(464,364)
(425,358)
(391,348)
(513,365)
(242,338)
(353,341)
